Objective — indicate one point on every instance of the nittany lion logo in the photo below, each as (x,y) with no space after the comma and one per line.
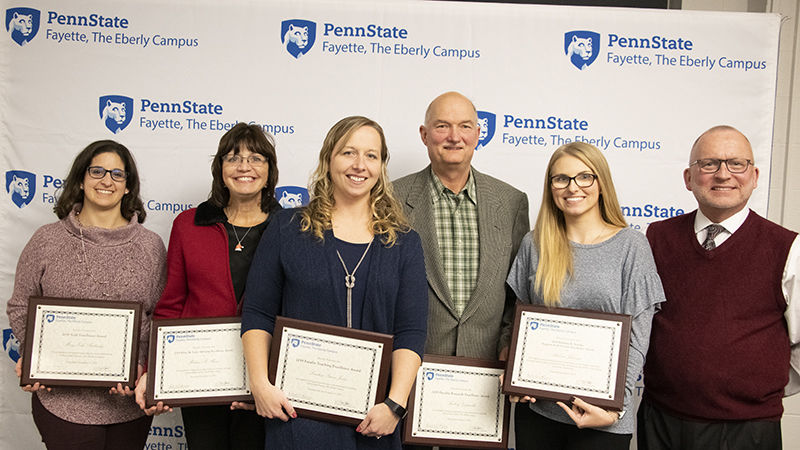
(580,47)
(170,338)
(22,24)
(291,196)
(534,325)
(50,318)
(295,342)
(10,344)
(298,36)
(429,375)
(21,185)
(115,111)
(486,121)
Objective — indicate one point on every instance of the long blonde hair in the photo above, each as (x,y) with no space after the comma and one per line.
(387,216)
(550,233)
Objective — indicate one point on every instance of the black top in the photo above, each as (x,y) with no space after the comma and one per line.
(240,260)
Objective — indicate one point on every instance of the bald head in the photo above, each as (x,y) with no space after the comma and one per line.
(448,100)
(731,137)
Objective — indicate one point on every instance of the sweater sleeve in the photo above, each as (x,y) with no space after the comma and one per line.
(173,299)
(27,282)
(264,292)
(154,248)
(411,309)
(641,297)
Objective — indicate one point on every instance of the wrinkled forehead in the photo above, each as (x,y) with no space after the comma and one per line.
(722,144)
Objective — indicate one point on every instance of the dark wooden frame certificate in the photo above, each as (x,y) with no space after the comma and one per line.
(327,372)
(78,342)
(194,362)
(558,353)
(457,402)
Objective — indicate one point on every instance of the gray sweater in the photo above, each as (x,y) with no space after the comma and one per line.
(616,276)
(126,263)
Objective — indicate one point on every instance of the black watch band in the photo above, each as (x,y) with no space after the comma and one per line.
(398,410)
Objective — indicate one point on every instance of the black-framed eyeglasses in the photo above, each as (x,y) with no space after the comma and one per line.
(582,180)
(98,172)
(254,160)
(712,165)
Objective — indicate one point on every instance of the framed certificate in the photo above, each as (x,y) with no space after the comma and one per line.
(329,373)
(196,362)
(457,402)
(75,342)
(558,353)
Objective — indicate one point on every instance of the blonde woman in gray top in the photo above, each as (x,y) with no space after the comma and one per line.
(582,255)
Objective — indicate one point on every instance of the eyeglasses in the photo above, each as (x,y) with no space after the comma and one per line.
(582,180)
(98,172)
(255,160)
(712,165)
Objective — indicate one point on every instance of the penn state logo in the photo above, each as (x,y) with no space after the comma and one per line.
(429,375)
(50,318)
(114,112)
(534,325)
(579,46)
(291,196)
(295,342)
(170,338)
(22,24)
(486,122)
(10,344)
(298,36)
(21,185)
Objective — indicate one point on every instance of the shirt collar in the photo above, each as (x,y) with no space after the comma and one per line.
(438,188)
(731,224)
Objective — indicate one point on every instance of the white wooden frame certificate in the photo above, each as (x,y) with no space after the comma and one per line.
(197,362)
(81,342)
(327,375)
(559,353)
(457,402)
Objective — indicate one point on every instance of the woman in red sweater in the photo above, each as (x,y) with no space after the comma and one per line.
(210,250)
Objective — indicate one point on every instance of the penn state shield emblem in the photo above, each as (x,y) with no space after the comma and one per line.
(116,112)
(298,36)
(291,196)
(486,121)
(22,24)
(580,47)
(21,185)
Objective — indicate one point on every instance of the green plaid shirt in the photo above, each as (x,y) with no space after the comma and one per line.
(456,218)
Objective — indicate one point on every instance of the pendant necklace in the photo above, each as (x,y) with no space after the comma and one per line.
(239,245)
(350,282)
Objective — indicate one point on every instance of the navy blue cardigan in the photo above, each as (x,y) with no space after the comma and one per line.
(292,276)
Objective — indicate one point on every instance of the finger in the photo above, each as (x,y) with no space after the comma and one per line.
(581,404)
(572,414)
(288,408)
(364,425)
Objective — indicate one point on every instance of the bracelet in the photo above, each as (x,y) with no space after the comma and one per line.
(398,410)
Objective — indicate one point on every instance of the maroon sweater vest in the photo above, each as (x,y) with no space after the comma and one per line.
(719,347)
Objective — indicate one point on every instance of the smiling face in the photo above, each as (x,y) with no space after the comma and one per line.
(355,165)
(573,201)
(450,132)
(244,179)
(103,193)
(722,194)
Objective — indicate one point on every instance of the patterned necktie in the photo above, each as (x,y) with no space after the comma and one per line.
(713,231)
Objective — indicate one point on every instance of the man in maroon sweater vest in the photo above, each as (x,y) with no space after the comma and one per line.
(724,347)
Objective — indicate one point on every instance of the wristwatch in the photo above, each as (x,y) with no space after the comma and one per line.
(398,410)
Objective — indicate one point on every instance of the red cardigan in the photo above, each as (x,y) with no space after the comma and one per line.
(198,257)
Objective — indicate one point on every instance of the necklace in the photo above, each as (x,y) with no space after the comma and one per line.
(239,245)
(89,271)
(350,282)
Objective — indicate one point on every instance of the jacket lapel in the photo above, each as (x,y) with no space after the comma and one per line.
(420,213)
(491,243)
